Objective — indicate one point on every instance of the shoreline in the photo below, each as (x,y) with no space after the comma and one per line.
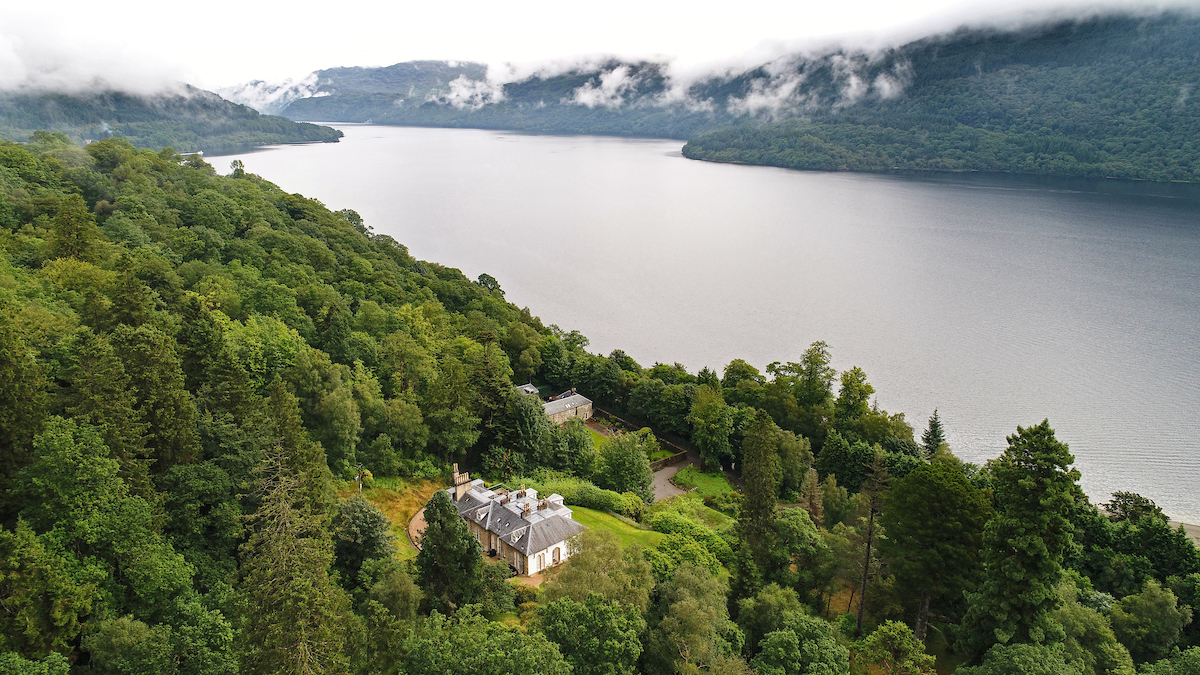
(1193,531)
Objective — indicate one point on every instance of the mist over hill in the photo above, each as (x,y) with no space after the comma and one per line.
(188,119)
(1103,96)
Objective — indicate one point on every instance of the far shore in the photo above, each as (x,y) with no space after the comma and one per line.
(1193,531)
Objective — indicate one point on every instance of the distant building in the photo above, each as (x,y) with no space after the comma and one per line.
(530,533)
(528,389)
(567,405)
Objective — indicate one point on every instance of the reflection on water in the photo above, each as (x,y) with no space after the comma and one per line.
(997,300)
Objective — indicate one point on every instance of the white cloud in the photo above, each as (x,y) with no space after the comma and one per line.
(272,97)
(614,85)
(474,94)
(35,57)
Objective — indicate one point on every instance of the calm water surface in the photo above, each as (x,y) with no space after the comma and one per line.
(999,302)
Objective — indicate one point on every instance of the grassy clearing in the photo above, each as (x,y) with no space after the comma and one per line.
(626,530)
(399,499)
(598,439)
(706,484)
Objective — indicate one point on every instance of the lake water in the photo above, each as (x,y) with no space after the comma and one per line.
(998,301)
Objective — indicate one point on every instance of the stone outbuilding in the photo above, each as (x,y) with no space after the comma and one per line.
(567,405)
(528,532)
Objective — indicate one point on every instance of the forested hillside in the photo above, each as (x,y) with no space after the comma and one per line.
(188,121)
(199,371)
(1098,98)
(1109,96)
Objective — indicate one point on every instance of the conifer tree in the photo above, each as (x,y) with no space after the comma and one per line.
(294,616)
(934,518)
(200,340)
(449,565)
(757,517)
(1024,544)
(933,437)
(810,498)
(101,394)
(132,300)
(22,397)
(165,405)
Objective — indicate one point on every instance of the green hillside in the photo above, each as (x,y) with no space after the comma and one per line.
(1108,96)
(188,121)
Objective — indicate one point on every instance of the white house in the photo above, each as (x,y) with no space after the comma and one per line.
(530,533)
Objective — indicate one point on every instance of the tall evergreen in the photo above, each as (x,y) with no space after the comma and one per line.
(934,519)
(101,394)
(295,617)
(150,360)
(933,437)
(1024,544)
(757,516)
(450,563)
(22,397)
(74,233)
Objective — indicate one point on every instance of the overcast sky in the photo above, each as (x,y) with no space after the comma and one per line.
(214,43)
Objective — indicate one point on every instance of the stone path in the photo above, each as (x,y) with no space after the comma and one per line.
(415,527)
(663,487)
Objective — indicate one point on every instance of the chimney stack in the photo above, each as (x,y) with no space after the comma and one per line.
(462,482)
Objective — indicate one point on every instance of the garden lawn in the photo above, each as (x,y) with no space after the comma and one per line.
(706,484)
(598,439)
(626,530)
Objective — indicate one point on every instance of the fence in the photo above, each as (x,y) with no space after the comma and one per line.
(668,461)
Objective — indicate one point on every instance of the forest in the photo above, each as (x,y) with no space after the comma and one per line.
(207,384)
(188,121)
(1109,96)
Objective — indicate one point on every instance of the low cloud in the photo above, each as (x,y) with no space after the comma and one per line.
(470,94)
(614,85)
(35,59)
(273,97)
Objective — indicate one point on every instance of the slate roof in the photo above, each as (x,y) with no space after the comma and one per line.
(528,533)
(564,404)
(528,389)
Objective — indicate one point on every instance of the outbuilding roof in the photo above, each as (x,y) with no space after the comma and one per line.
(564,404)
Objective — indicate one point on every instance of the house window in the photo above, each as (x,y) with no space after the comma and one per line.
(541,562)
(557,557)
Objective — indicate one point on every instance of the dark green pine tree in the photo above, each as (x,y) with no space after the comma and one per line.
(100,393)
(165,405)
(934,519)
(759,458)
(449,565)
(22,396)
(132,300)
(200,341)
(227,388)
(1024,544)
(295,616)
(933,437)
